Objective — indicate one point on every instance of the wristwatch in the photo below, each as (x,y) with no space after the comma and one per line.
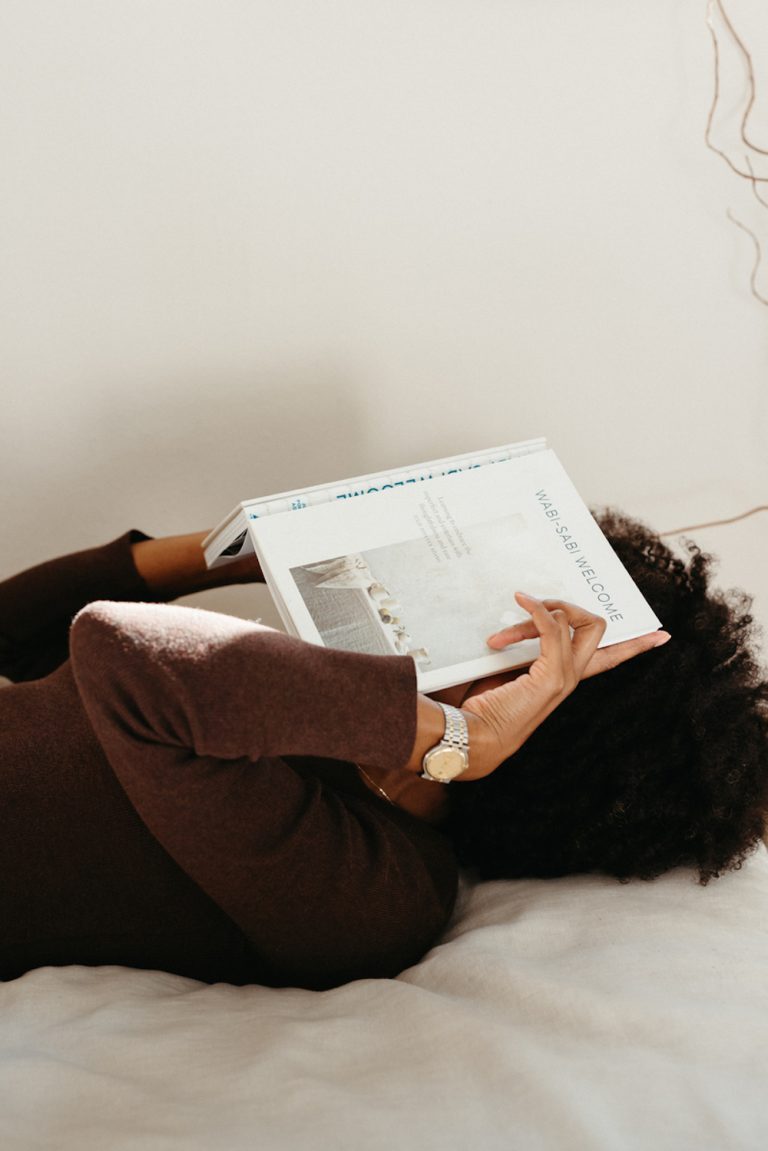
(450,757)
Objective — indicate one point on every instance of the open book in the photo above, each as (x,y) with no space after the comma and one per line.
(424,561)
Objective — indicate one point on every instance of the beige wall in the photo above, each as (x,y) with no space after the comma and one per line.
(248,245)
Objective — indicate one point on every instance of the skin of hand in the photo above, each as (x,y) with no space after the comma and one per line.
(511,706)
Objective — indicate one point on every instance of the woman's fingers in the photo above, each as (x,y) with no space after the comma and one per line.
(554,620)
(601,660)
(511,712)
(528,629)
(618,653)
(569,635)
(516,633)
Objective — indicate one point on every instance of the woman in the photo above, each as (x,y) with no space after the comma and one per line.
(202,795)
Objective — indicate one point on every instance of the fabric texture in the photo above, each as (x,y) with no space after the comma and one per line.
(178,795)
(576,1014)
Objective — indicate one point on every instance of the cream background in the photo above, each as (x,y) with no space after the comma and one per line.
(247,246)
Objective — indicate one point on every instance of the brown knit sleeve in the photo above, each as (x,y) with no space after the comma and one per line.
(229,688)
(194,711)
(37,605)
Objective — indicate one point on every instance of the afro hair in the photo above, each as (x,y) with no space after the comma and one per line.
(661,762)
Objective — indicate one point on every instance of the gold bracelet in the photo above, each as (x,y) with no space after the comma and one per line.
(373,782)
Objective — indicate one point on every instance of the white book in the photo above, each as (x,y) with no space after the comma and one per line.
(428,567)
(230,539)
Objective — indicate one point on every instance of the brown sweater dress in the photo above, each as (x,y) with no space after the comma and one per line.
(179,793)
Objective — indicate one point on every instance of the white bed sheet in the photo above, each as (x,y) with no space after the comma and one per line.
(569,1014)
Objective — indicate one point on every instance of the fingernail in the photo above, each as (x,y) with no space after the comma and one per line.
(664,637)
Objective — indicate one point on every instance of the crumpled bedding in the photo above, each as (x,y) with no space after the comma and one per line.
(564,1014)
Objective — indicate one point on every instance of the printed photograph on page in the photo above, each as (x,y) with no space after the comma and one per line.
(436,598)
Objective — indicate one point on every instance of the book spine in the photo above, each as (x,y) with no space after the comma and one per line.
(228,543)
(377,482)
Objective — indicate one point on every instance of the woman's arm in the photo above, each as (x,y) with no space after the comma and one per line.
(218,686)
(175,566)
(195,710)
(37,605)
(227,688)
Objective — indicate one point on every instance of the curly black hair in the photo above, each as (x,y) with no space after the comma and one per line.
(659,763)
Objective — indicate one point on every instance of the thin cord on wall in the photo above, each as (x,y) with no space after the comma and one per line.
(751,86)
(714,6)
(716,523)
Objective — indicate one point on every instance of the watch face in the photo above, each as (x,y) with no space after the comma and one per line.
(445,763)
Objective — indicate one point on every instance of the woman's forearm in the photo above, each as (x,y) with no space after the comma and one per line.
(214,685)
(175,565)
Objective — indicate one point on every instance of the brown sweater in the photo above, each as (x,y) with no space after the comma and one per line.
(179,794)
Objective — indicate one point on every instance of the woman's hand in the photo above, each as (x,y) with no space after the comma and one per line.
(509,709)
(602,660)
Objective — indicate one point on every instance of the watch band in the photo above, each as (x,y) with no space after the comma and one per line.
(456,730)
